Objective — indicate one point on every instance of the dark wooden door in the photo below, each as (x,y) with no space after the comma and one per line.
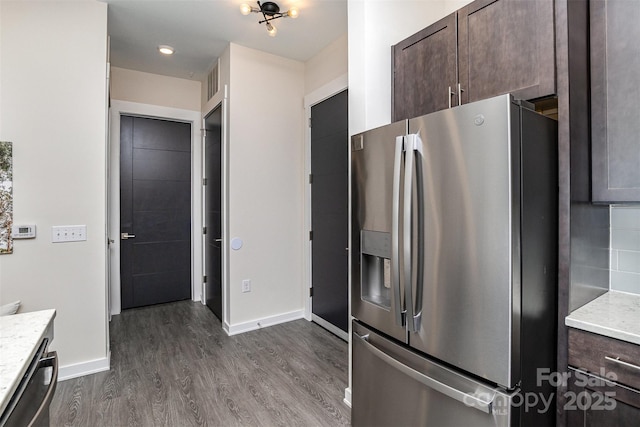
(329,210)
(506,46)
(615,100)
(213,211)
(155,208)
(425,70)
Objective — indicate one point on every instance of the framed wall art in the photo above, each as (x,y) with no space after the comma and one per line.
(6,197)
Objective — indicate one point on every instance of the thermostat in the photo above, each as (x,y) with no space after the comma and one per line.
(23,231)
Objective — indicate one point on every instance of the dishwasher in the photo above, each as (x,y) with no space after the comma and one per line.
(29,406)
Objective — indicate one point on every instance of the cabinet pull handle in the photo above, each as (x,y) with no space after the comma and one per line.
(627,364)
(460,90)
(450,94)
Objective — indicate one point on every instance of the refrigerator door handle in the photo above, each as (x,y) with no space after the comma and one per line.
(398,306)
(432,383)
(413,153)
(419,235)
(406,230)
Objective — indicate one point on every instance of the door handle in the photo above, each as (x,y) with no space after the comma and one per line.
(218,240)
(125,236)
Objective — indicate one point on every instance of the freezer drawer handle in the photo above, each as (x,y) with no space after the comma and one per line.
(434,384)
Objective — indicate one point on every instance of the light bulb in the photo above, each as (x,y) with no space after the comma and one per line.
(293,12)
(245,9)
(166,50)
(272,30)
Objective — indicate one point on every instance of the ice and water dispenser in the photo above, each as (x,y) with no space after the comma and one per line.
(375,253)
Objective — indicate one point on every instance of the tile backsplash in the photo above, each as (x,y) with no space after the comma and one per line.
(625,249)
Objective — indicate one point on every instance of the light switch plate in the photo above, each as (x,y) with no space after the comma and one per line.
(68,233)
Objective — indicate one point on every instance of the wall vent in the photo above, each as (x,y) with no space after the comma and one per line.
(212,82)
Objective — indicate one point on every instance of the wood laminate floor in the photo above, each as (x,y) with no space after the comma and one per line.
(172,365)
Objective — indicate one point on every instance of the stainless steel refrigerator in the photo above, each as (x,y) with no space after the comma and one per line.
(454,255)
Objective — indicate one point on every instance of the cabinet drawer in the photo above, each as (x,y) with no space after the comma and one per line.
(596,353)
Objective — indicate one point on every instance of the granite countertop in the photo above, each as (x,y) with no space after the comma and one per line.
(20,337)
(614,314)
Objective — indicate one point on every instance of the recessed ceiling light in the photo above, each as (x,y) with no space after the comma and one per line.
(165,50)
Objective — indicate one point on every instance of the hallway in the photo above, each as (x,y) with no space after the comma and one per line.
(172,365)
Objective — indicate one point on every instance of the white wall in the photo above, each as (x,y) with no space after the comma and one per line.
(53,109)
(154,89)
(329,64)
(265,176)
(374,26)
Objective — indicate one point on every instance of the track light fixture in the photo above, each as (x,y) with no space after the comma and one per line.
(269,11)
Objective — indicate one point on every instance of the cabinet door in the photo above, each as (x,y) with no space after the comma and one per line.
(506,46)
(615,100)
(595,404)
(424,68)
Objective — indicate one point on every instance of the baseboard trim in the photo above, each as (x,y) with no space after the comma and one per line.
(255,324)
(347,397)
(330,327)
(85,368)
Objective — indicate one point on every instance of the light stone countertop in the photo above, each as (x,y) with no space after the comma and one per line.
(614,314)
(20,338)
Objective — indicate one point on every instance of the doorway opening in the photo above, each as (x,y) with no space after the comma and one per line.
(193,119)
(330,213)
(213,237)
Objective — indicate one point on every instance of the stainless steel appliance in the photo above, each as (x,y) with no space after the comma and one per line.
(29,405)
(454,248)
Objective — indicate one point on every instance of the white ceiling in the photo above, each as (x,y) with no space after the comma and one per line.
(200,30)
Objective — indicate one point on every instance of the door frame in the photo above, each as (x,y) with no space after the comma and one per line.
(219,99)
(330,89)
(127,108)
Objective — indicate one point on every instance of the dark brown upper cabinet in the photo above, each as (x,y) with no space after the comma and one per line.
(506,46)
(425,70)
(485,49)
(615,101)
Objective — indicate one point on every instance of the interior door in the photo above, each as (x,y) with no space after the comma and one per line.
(155,211)
(213,211)
(329,211)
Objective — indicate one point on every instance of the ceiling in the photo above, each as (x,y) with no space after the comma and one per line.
(200,30)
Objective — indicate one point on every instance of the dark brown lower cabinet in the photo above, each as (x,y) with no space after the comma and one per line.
(603,381)
(593,402)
